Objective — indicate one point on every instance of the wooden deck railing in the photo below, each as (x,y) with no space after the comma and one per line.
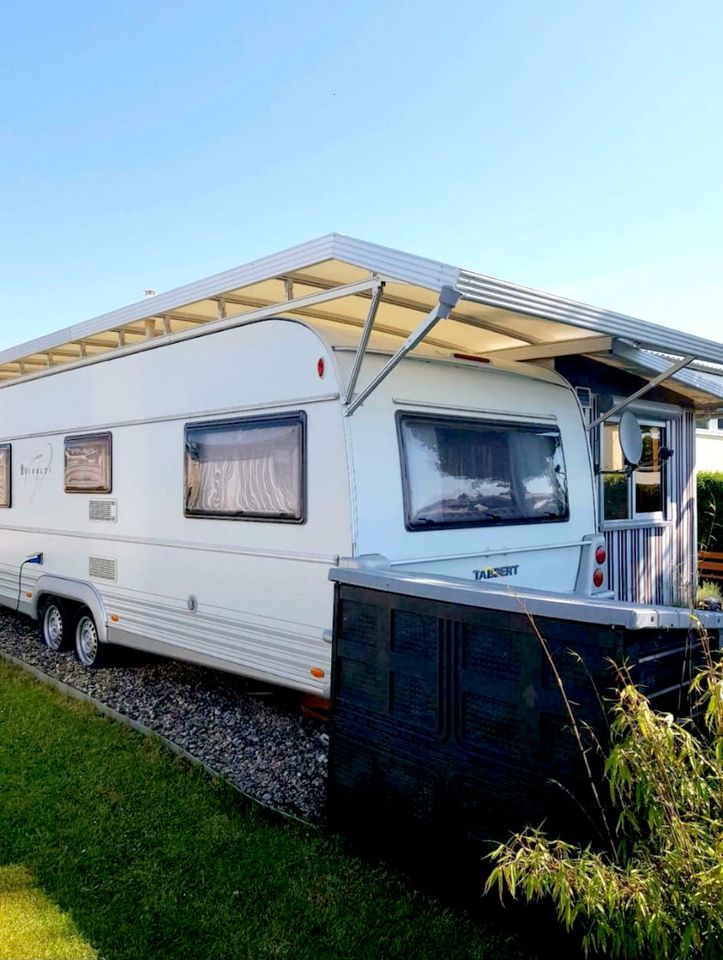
(710,565)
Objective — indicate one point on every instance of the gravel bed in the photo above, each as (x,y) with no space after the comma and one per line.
(254,735)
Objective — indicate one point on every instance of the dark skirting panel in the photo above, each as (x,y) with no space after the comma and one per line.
(449,730)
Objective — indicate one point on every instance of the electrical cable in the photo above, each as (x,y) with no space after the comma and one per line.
(35,558)
(20,582)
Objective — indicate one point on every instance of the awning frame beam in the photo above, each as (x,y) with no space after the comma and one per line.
(555,348)
(371,283)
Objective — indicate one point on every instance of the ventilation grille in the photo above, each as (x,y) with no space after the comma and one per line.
(103,509)
(101,568)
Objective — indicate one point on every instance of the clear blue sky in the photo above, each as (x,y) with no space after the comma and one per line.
(572,146)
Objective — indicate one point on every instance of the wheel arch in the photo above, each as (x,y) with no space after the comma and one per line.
(67,589)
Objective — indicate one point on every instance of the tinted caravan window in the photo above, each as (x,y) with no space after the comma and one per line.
(88,463)
(460,472)
(5,474)
(246,469)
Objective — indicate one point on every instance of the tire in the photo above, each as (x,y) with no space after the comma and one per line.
(55,624)
(88,648)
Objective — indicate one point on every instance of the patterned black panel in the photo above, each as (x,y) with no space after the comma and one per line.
(558,747)
(353,765)
(356,682)
(414,701)
(416,635)
(490,652)
(360,624)
(403,789)
(488,723)
(449,727)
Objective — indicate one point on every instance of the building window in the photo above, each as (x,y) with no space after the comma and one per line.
(471,473)
(5,474)
(246,469)
(636,494)
(88,463)
(714,424)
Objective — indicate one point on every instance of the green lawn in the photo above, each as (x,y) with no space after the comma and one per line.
(32,927)
(113,845)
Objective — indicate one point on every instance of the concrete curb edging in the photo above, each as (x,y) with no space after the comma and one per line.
(69,691)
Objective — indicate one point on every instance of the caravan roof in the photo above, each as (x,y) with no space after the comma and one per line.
(341,283)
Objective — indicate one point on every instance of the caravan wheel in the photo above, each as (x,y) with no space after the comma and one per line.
(54,624)
(88,648)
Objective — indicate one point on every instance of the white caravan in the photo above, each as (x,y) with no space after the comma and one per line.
(194,497)
(184,486)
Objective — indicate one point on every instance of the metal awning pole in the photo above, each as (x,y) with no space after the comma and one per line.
(364,340)
(616,408)
(448,298)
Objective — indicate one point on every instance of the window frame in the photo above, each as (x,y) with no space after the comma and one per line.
(96,435)
(298,416)
(403,415)
(636,519)
(9,448)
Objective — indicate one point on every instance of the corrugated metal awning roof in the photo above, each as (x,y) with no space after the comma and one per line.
(490,316)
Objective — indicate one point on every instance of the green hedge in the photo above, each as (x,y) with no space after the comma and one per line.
(710,511)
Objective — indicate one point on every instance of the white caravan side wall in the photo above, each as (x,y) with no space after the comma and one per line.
(264,600)
(542,555)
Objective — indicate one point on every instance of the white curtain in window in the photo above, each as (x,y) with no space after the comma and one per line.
(537,467)
(87,464)
(4,476)
(245,470)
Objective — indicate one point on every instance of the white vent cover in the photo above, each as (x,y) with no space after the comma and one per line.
(101,568)
(103,509)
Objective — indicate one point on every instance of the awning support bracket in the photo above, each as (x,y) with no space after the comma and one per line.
(448,298)
(616,408)
(363,341)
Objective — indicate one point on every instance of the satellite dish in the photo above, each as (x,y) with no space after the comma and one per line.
(631,438)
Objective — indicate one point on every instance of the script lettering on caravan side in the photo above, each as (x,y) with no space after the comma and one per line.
(34,470)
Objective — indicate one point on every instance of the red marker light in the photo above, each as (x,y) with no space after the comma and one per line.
(598,577)
(320,366)
(601,555)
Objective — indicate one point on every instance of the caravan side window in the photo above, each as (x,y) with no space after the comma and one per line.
(251,469)
(88,463)
(5,474)
(471,473)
